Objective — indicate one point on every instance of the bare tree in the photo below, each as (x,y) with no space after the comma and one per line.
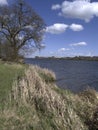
(21,27)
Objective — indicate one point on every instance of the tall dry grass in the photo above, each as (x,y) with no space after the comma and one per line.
(36,103)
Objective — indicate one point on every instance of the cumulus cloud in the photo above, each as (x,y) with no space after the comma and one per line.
(56,28)
(3,2)
(55,7)
(76,27)
(79,44)
(80,9)
(59,28)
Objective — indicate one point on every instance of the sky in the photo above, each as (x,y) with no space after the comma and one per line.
(71,27)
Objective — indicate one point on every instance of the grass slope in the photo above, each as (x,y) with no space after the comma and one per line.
(36,103)
(8,73)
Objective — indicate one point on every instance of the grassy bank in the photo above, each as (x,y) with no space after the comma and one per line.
(8,73)
(34,102)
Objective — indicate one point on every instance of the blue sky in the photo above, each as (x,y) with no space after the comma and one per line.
(71,27)
(71,40)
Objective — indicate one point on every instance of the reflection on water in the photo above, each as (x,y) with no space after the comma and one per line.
(71,74)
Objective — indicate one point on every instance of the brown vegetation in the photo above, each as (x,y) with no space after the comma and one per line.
(36,103)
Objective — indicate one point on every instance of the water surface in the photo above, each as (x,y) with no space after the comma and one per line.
(71,74)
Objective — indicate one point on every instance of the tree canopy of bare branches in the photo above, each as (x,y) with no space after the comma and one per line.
(21,29)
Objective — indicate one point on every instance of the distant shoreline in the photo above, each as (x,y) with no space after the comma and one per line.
(87,58)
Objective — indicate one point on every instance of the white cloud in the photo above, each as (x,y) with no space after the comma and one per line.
(28,27)
(56,28)
(59,28)
(79,44)
(55,7)
(80,9)
(3,2)
(76,27)
(43,45)
(20,37)
(63,49)
(83,0)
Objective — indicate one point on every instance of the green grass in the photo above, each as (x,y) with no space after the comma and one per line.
(36,103)
(8,73)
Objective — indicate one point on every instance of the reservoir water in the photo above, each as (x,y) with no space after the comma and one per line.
(75,75)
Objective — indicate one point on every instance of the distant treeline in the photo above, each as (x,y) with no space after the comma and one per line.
(95,58)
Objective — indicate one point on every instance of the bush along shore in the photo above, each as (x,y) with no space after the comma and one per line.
(34,102)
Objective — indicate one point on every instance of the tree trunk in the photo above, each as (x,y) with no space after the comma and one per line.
(15,55)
